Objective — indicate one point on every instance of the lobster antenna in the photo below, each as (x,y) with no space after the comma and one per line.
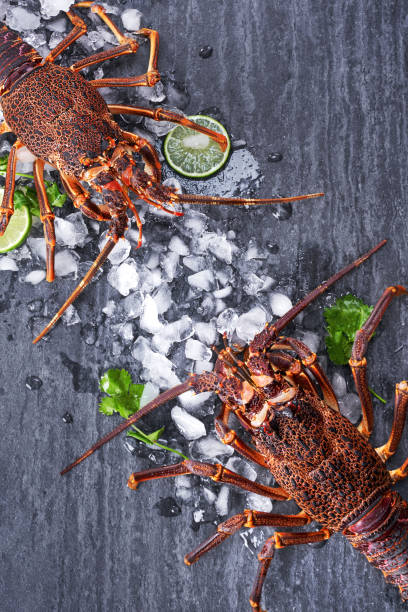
(188,198)
(99,261)
(158,401)
(293,312)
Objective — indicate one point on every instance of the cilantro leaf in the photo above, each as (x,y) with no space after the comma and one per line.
(115,382)
(123,396)
(344,319)
(55,197)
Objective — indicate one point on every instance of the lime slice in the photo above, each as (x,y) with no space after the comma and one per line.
(193,154)
(17,230)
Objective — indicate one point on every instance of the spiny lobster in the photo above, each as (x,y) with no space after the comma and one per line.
(63,120)
(316,455)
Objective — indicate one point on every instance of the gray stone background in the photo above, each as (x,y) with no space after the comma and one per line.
(325,84)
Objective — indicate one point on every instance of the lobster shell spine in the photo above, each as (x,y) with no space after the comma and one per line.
(381,534)
(17,59)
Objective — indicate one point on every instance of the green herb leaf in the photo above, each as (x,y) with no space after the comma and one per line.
(344,318)
(124,398)
(115,382)
(55,197)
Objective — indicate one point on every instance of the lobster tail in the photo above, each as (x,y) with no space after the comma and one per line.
(17,59)
(382,536)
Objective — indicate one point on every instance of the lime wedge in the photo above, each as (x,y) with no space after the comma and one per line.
(17,230)
(193,154)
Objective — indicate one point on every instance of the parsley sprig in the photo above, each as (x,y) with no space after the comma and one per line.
(347,315)
(123,396)
(25,195)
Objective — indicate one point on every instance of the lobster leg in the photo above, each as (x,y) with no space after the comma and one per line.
(248,519)
(78,31)
(47,217)
(309,360)
(7,205)
(160,114)
(358,362)
(82,200)
(230,437)
(279,540)
(147,151)
(400,413)
(150,78)
(216,472)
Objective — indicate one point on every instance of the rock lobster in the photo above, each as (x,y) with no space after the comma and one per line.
(316,455)
(63,120)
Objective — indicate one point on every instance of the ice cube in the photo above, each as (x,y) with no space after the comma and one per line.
(209,495)
(350,407)
(18,18)
(280,303)
(70,316)
(191,400)
(206,332)
(198,515)
(37,247)
(149,320)
(35,277)
(258,502)
(227,321)
(155,94)
(203,280)
(252,283)
(159,128)
(55,39)
(195,262)
(221,504)
(222,248)
(149,279)
(184,494)
(57,25)
(132,305)
(311,340)
(203,366)
(21,253)
(169,263)
(6,263)
(162,298)
(157,367)
(71,231)
(195,222)
(120,252)
(150,391)
(25,160)
(51,8)
(178,246)
(189,426)
(65,263)
(124,278)
(176,331)
(210,448)
(131,19)
(110,308)
(197,351)
(339,385)
(251,323)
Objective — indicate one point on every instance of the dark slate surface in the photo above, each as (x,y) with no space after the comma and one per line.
(325,84)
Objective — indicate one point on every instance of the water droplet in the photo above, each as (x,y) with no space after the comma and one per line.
(67,418)
(206,52)
(274,248)
(33,383)
(275,157)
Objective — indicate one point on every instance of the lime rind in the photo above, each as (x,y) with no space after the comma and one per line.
(195,162)
(17,230)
